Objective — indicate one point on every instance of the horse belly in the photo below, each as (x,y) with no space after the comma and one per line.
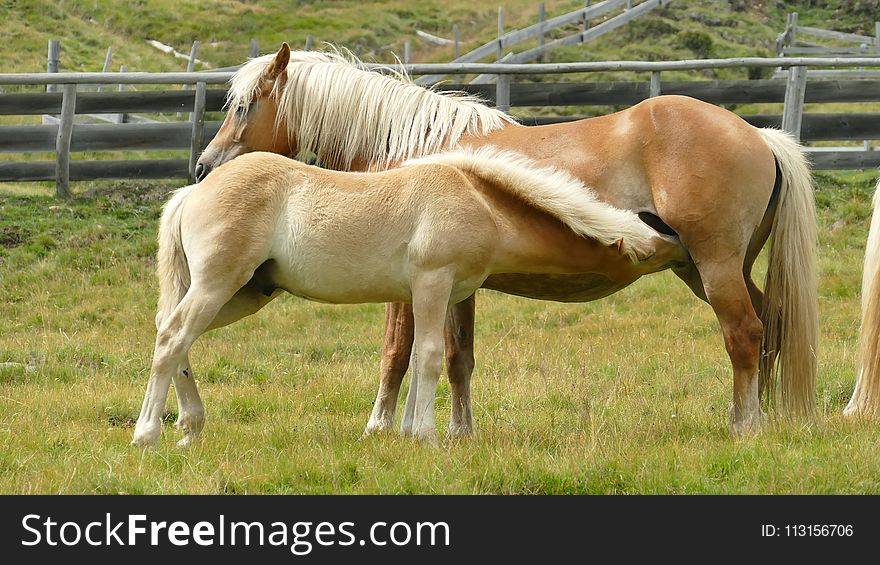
(345,283)
(559,288)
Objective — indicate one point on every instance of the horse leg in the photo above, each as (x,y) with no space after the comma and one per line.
(431,291)
(460,365)
(396,350)
(179,330)
(190,408)
(729,297)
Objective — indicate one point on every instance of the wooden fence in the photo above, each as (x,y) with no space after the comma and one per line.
(537,31)
(194,135)
(791,42)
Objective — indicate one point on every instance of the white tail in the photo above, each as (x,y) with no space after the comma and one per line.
(557,193)
(171,265)
(791,303)
(865,399)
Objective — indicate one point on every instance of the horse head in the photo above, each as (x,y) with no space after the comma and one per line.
(251,120)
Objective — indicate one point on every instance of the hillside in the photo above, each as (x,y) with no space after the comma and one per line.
(378,29)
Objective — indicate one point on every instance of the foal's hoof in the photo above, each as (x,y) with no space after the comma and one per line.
(187,441)
(428,438)
(146,438)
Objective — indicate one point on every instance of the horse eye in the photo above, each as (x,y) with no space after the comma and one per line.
(240,111)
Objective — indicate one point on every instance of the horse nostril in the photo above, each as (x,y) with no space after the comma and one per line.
(201,172)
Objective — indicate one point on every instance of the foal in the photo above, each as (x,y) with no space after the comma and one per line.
(262,224)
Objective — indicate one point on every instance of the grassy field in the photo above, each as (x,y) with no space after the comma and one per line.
(625,395)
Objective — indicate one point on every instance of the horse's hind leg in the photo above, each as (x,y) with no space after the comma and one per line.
(729,297)
(191,410)
(173,340)
(396,349)
(460,365)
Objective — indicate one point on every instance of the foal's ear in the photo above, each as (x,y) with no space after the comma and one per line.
(279,63)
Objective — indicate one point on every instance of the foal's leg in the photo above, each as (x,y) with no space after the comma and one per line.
(460,365)
(191,410)
(431,290)
(396,350)
(173,340)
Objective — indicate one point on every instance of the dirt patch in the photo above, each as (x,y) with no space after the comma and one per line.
(130,192)
(11,236)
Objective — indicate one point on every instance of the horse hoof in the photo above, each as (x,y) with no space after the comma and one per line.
(375,427)
(459,432)
(187,441)
(428,438)
(145,439)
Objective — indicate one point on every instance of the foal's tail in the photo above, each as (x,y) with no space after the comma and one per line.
(865,400)
(172,268)
(791,303)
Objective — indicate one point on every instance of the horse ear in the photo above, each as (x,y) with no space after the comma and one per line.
(279,63)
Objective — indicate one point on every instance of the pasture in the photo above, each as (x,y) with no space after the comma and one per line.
(621,396)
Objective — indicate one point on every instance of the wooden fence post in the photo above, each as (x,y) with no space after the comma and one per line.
(654,88)
(254,49)
(193,53)
(106,68)
(586,22)
(455,49)
(62,142)
(407,52)
(500,32)
(120,118)
(793,110)
(309,41)
(502,93)
(877,36)
(52,62)
(198,129)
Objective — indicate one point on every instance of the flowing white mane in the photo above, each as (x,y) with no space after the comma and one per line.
(553,191)
(338,110)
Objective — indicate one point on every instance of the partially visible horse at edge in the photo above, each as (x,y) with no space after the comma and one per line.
(686,167)
(263,224)
(865,399)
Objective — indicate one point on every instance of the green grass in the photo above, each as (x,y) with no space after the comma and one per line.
(624,395)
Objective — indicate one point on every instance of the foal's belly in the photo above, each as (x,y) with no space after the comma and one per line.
(559,288)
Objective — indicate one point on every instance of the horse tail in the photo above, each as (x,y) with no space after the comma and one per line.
(866,395)
(791,302)
(172,268)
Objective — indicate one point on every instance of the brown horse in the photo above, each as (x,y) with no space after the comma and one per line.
(684,166)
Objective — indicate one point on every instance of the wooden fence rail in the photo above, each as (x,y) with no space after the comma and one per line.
(192,136)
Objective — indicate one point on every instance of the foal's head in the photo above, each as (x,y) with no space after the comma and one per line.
(251,123)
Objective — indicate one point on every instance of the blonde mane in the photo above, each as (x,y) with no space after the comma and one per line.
(553,191)
(338,110)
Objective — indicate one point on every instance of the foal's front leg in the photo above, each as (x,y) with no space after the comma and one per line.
(431,291)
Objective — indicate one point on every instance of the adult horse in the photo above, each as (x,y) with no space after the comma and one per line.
(684,166)
(263,224)
(865,399)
